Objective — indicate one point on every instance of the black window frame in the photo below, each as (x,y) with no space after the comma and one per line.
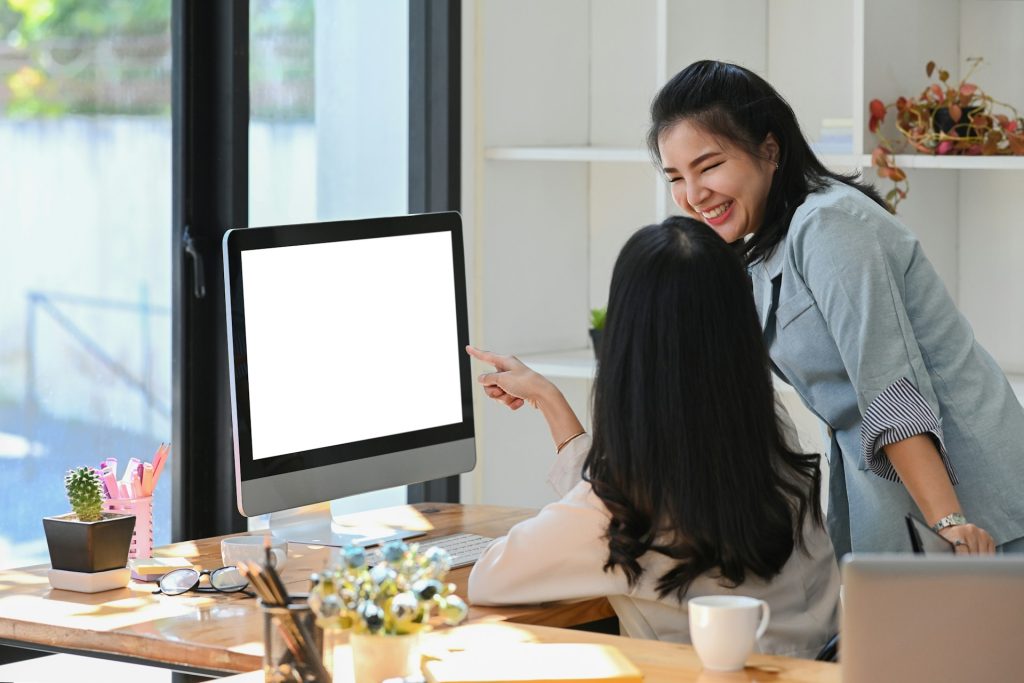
(210,112)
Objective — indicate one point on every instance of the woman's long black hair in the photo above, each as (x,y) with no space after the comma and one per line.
(687,453)
(735,104)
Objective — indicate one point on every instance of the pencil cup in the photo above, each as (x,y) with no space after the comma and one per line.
(142,537)
(291,638)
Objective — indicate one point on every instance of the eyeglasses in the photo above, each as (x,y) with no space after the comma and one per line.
(223,580)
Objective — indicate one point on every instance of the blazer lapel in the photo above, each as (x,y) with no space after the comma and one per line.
(765,277)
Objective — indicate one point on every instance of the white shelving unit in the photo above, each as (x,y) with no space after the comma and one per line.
(587,154)
(557,177)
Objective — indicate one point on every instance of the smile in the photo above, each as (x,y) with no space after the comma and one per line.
(717,214)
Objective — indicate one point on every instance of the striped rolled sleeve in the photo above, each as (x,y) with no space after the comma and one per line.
(899,413)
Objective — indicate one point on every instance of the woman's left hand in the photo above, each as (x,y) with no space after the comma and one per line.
(969,539)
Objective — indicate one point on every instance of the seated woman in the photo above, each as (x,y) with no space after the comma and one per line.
(688,486)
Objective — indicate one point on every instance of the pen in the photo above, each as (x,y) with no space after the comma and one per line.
(159,460)
(129,470)
(109,482)
(147,479)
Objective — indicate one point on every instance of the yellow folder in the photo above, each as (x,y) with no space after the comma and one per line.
(534,663)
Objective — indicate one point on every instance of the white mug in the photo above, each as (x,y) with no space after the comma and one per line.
(724,628)
(250,548)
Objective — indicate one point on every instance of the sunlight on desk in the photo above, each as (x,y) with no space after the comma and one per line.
(477,636)
(254,647)
(17,577)
(64,608)
(64,668)
(182,549)
(398,517)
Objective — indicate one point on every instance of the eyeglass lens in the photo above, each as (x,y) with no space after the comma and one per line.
(225,579)
(179,581)
(228,580)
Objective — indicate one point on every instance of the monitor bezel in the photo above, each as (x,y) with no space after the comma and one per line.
(236,242)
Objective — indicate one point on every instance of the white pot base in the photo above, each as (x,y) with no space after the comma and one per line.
(85,582)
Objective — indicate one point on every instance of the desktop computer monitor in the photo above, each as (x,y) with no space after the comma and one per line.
(347,365)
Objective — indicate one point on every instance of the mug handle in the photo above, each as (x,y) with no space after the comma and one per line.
(765,616)
(280,557)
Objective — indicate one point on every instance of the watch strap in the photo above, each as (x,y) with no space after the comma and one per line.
(952,519)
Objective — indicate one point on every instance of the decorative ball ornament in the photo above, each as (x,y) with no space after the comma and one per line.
(454,610)
(438,561)
(394,552)
(404,607)
(394,597)
(427,589)
(382,574)
(373,616)
(354,557)
(330,605)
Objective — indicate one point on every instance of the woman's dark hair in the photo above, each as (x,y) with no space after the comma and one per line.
(687,453)
(737,105)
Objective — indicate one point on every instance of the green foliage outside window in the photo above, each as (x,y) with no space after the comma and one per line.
(89,57)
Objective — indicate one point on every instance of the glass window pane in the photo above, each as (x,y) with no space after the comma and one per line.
(329,123)
(85,210)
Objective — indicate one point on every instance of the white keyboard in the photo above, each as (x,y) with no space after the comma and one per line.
(464,548)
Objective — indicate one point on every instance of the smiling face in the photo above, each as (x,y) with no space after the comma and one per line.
(716,181)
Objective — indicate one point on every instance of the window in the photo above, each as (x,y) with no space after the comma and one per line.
(329,121)
(85,210)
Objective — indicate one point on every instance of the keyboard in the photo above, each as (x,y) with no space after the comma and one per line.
(465,549)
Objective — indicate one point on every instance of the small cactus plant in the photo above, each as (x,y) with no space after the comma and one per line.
(85,493)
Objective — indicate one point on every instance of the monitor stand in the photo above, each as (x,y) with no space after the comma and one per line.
(314,525)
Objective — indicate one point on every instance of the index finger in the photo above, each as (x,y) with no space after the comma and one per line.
(486,356)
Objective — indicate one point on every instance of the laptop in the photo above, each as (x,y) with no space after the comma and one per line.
(929,618)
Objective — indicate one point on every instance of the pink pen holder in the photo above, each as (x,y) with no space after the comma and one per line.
(142,537)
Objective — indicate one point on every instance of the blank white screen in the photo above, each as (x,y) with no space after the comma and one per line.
(350,340)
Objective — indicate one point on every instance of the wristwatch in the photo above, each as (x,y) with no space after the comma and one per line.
(952,519)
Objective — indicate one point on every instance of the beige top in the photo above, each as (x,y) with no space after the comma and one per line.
(559,555)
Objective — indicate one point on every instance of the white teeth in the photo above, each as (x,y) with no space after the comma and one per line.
(717,211)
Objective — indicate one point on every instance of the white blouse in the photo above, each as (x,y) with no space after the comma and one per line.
(559,555)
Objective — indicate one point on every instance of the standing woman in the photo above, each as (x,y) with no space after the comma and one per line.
(855,318)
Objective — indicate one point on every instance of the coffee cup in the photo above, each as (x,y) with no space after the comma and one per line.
(250,549)
(724,629)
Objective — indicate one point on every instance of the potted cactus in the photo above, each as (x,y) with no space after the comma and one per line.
(88,539)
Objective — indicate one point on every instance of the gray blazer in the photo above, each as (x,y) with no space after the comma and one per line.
(850,305)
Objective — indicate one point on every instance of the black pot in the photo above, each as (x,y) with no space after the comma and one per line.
(943,122)
(595,338)
(90,547)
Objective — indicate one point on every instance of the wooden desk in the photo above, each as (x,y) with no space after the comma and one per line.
(659,662)
(218,633)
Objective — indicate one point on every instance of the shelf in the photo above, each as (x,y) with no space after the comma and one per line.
(580,364)
(638,155)
(571,364)
(843,160)
(568,154)
(963,163)
(622,154)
